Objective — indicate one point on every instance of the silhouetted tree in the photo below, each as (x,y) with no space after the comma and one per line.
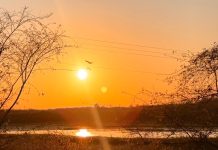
(196,88)
(197,79)
(25,43)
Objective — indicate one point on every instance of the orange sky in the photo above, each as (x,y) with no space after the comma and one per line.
(170,24)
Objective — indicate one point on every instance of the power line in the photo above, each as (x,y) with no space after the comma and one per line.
(131,49)
(130,53)
(55,69)
(104,68)
(128,49)
(130,70)
(129,44)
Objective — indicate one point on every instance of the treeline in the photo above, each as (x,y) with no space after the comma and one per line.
(88,116)
(141,116)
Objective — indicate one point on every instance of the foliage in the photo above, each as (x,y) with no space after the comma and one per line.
(196,84)
(197,79)
(25,43)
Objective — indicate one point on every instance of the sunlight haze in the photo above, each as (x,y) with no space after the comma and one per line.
(123,46)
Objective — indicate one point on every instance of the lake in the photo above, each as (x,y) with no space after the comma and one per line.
(117,133)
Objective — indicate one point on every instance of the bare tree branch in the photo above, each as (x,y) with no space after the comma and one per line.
(25,43)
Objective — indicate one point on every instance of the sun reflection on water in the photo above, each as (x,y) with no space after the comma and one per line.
(83,133)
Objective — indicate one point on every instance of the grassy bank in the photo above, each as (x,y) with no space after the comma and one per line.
(60,142)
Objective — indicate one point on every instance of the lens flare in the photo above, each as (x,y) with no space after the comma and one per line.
(104,89)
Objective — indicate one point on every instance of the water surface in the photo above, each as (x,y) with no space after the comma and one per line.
(118,133)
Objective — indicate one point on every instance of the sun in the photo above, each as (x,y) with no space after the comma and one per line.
(82,74)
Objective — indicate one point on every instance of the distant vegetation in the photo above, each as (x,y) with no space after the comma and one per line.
(141,116)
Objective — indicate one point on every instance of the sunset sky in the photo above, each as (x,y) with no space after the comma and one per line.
(133,44)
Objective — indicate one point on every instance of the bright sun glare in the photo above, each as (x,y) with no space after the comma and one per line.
(83,133)
(82,74)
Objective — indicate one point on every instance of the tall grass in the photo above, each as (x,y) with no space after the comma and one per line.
(60,142)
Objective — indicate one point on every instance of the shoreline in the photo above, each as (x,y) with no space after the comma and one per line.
(62,142)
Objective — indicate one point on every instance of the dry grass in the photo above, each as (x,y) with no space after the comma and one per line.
(59,142)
